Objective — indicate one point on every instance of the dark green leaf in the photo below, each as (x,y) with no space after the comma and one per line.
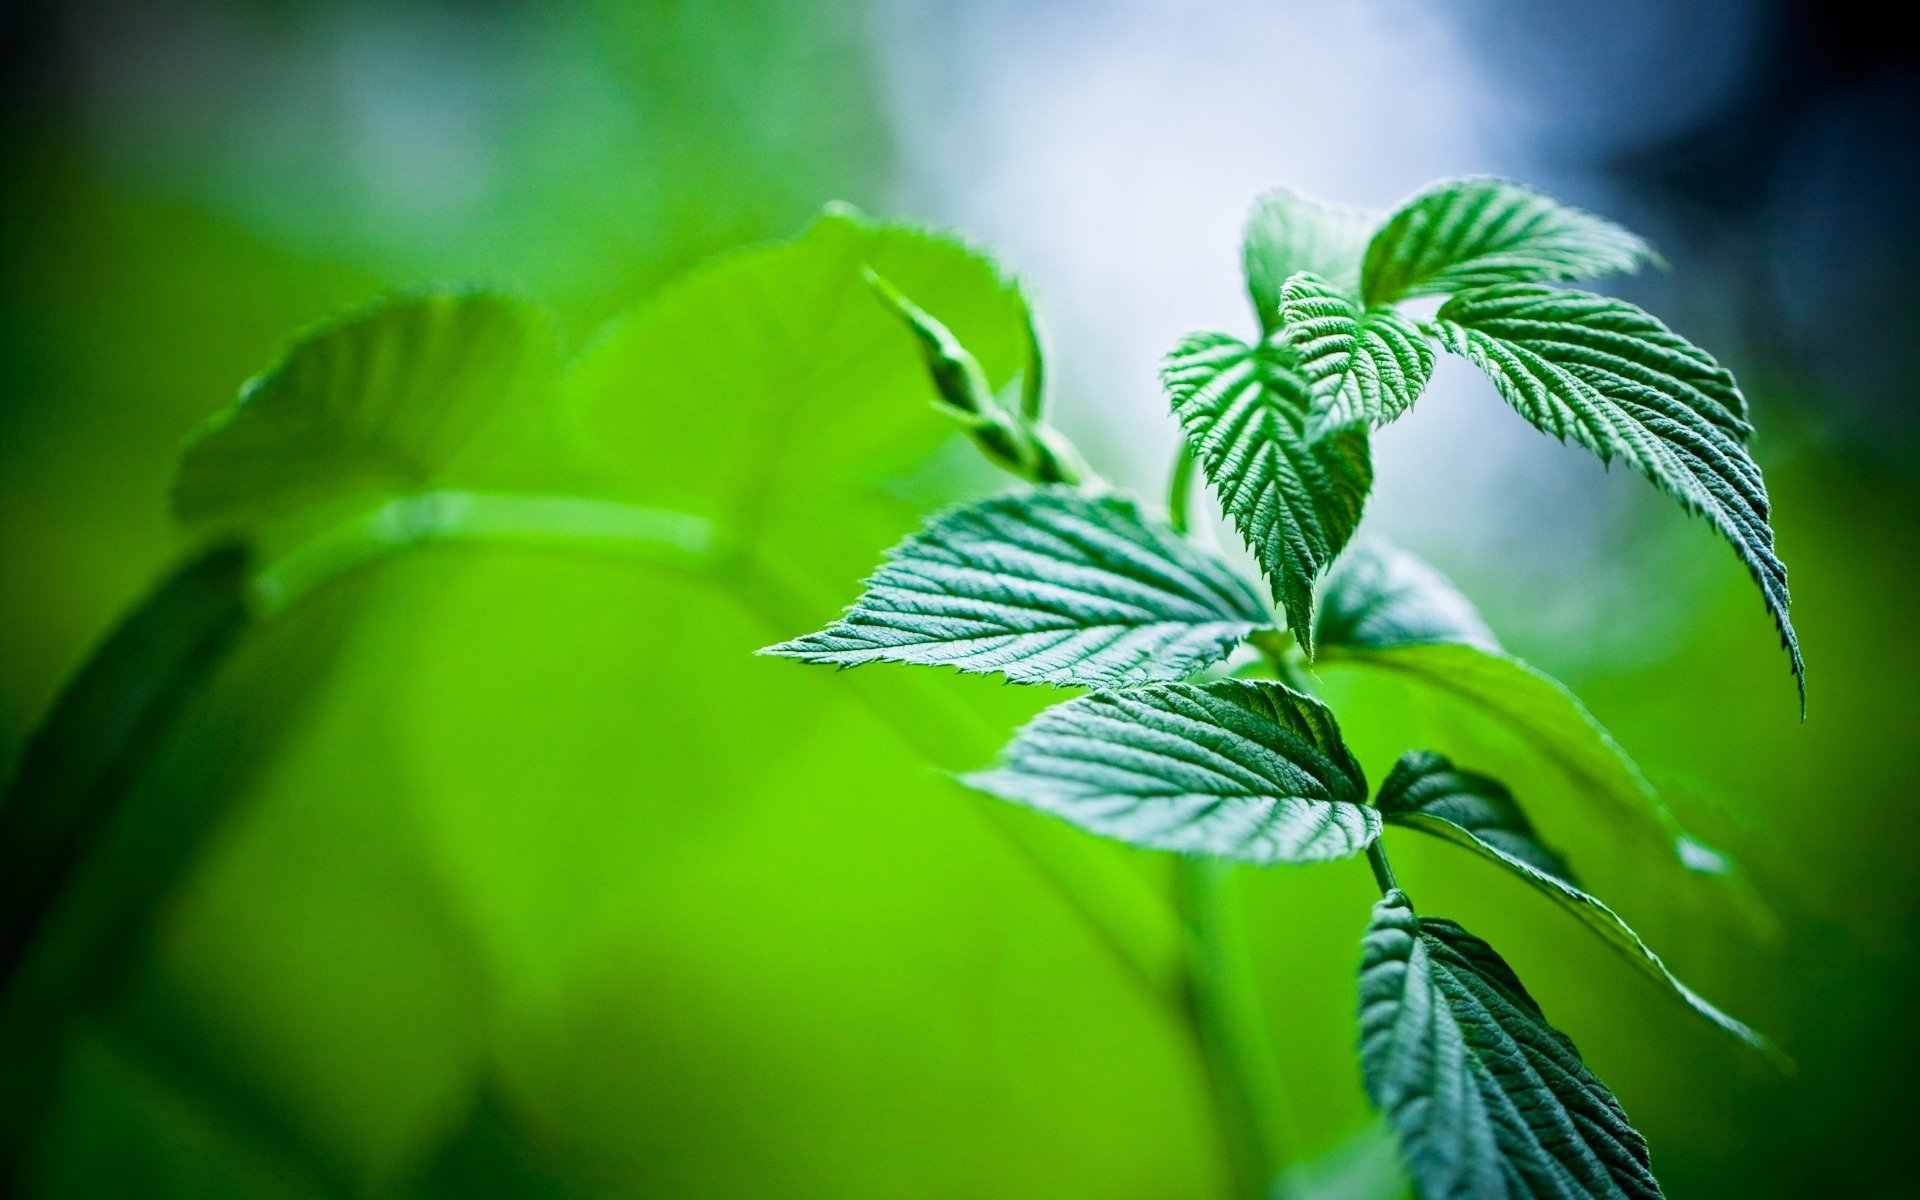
(1288,233)
(1360,365)
(1379,595)
(1489,1101)
(1428,793)
(383,399)
(102,724)
(1607,375)
(1046,586)
(1463,233)
(1241,769)
(1295,497)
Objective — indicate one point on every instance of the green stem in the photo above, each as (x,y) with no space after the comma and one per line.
(1231,1029)
(1180,488)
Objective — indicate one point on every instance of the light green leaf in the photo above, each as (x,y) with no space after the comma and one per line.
(1543,714)
(1294,497)
(1489,1101)
(1046,586)
(1425,791)
(1288,233)
(1428,793)
(383,399)
(1463,233)
(1242,769)
(1605,374)
(1379,595)
(1360,365)
(770,389)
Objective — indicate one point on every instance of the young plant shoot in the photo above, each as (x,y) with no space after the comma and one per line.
(1067,583)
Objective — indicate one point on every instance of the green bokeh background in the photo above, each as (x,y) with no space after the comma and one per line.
(507,873)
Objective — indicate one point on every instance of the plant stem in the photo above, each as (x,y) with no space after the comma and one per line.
(1180,488)
(1231,1029)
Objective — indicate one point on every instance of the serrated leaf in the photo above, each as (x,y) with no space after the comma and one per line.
(1427,792)
(1294,496)
(1463,233)
(1605,374)
(1288,233)
(1046,586)
(1379,595)
(1360,365)
(1242,769)
(1488,1100)
(382,399)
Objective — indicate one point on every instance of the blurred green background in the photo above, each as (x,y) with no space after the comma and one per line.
(505,873)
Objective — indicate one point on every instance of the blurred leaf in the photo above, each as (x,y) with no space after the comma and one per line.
(1540,711)
(1463,233)
(1486,1097)
(1294,496)
(1045,586)
(101,727)
(1247,770)
(1426,792)
(1378,595)
(1288,233)
(1612,378)
(1360,365)
(383,399)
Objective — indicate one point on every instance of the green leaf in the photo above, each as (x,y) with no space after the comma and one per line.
(1046,586)
(1379,595)
(1360,365)
(1463,233)
(1288,233)
(769,390)
(1242,769)
(1605,374)
(383,399)
(100,728)
(1544,715)
(1488,1100)
(1427,792)
(1294,497)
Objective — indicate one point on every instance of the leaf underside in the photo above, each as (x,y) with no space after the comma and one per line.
(1488,1100)
(1294,497)
(1427,792)
(1360,365)
(1242,769)
(1046,586)
(1602,373)
(1465,233)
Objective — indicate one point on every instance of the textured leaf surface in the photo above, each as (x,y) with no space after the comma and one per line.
(1360,364)
(1243,769)
(1489,1101)
(1463,233)
(1046,586)
(1604,374)
(382,399)
(1295,498)
(1288,233)
(1427,792)
(1379,595)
